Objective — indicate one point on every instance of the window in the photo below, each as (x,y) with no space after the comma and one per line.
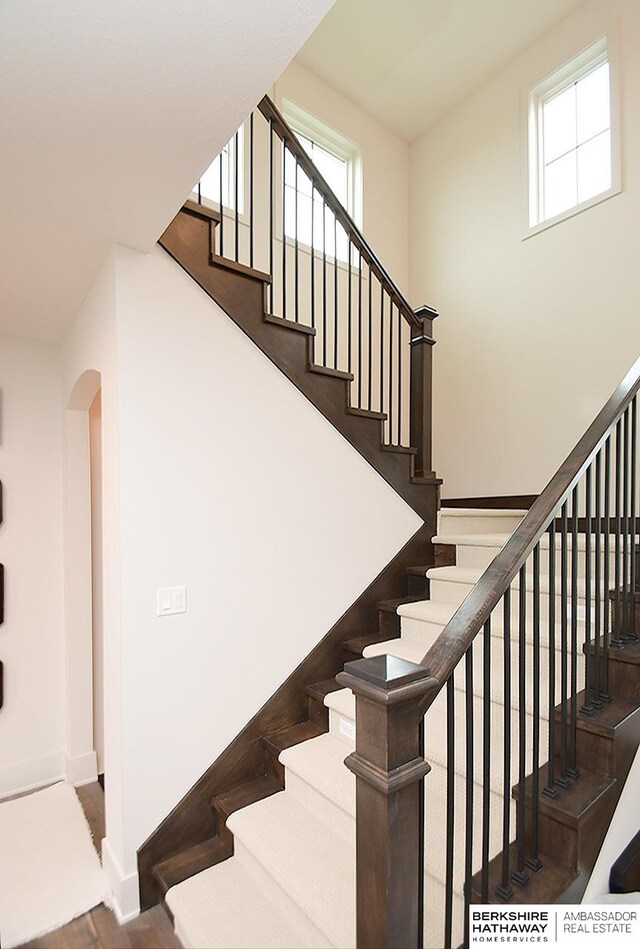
(222,172)
(338,161)
(570,146)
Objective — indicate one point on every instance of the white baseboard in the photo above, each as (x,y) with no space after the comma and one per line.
(30,775)
(83,769)
(125,888)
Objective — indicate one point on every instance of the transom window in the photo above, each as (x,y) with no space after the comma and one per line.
(220,177)
(570,137)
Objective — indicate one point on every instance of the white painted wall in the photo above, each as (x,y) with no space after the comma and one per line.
(533,335)
(234,485)
(385,164)
(32,721)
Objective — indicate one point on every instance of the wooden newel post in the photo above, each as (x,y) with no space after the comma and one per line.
(422,342)
(389,769)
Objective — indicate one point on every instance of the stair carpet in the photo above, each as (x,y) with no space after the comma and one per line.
(291,880)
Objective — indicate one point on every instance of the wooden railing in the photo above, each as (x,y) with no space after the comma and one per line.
(528,601)
(280,216)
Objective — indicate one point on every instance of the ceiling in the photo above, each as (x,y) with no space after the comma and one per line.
(408,62)
(109,111)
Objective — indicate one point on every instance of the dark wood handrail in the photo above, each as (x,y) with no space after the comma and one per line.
(454,640)
(288,136)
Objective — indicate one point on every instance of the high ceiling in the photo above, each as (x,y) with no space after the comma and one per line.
(109,111)
(408,62)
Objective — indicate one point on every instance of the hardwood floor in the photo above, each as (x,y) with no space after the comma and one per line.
(99,928)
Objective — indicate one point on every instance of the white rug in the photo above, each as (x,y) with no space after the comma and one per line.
(49,870)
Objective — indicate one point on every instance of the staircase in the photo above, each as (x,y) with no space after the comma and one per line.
(499,645)
(291,881)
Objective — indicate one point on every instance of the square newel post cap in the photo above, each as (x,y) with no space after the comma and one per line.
(387,679)
(422,331)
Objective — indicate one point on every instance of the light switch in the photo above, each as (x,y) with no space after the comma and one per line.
(171,600)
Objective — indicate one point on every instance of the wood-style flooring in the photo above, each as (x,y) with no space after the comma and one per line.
(99,928)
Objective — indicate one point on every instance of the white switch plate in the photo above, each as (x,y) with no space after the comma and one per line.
(171,600)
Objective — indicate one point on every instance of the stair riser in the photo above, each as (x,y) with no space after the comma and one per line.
(592,750)
(418,586)
(624,677)
(275,893)
(449,591)
(479,557)
(451,523)
(340,821)
(388,624)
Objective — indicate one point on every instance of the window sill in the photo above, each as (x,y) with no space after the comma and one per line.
(571,212)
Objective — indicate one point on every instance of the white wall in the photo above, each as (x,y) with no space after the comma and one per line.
(533,335)
(385,164)
(32,722)
(234,485)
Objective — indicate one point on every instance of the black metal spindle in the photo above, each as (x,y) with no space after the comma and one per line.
(370,342)
(349,316)
(505,891)
(520,876)
(551,790)
(251,236)
(421,842)
(296,279)
(359,327)
(271,214)
(632,539)
(324,282)
(313,259)
(587,705)
(451,777)
(616,625)
(400,319)
(221,228)
(572,769)
(533,861)
(564,646)
(390,407)
(381,344)
(469,777)
(595,669)
(236,196)
(284,235)
(606,636)
(486,759)
(624,632)
(199,193)
(335,292)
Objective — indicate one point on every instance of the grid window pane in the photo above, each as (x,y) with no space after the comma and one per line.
(559,124)
(592,103)
(560,185)
(594,166)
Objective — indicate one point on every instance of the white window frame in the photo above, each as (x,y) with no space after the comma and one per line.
(573,70)
(335,142)
(228,178)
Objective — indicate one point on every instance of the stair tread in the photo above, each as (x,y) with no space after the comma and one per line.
(217,261)
(292,735)
(605,719)
(357,644)
(392,604)
(420,570)
(497,512)
(333,373)
(189,862)
(543,887)
(289,324)
(244,794)
(367,413)
(572,803)
(225,908)
(471,575)
(315,868)
(318,690)
(343,702)
(320,762)
(500,539)
(400,449)
(201,210)
(630,653)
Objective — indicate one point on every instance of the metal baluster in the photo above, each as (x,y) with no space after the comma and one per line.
(359,328)
(634,446)
(349,318)
(221,158)
(451,777)
(271,214)
(596,671)
(564,647)
(572,770)
(284,237)
(251,240)
(468,846)
(533,862)
(520,876)
(615,632)
(199,193)
(399,376)
(296,252)
(486,759)
(420,894)
(335,291)
(313,260)
(624,632)
(324,282)
(504,891)
(236,196)
(369,344)
(587,706)
(604,695)
(390,418)
(381,344)
(551,790)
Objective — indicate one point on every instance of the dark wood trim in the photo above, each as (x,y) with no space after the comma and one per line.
(202,211)
(193,820)
(228,264)
(509,502)
(625,872)
(420,421)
